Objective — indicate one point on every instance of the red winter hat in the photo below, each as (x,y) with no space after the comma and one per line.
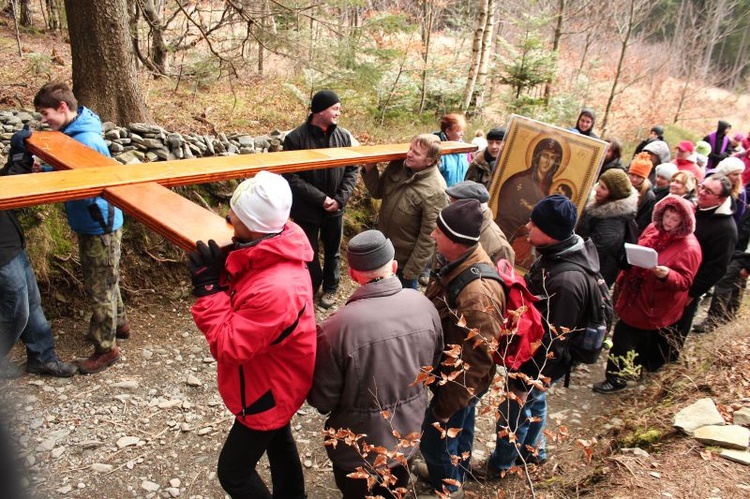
(686,146)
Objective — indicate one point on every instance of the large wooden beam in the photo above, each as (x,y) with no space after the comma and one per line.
(91,173)
(141,190)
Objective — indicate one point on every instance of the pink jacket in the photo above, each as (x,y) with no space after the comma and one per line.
(262,331)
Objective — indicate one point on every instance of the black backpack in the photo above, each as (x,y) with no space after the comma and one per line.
(584,346)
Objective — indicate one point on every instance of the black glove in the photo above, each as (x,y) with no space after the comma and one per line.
(18,140)
(19,159)
(205,265)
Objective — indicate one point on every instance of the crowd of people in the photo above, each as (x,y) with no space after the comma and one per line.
(255,302)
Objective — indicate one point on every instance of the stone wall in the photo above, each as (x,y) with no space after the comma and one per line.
(141,142)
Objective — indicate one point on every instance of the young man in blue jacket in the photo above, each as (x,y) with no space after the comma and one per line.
(98,225)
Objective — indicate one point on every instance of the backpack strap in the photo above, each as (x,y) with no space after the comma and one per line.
(476,271)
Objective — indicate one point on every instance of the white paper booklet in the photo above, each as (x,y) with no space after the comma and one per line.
(641,256)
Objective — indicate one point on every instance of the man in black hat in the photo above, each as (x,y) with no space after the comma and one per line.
(564,294)
(472,321)
(491,237)
(321,195)
(369,353)
(481,167)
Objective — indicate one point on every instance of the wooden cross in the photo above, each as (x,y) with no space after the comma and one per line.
(141,190)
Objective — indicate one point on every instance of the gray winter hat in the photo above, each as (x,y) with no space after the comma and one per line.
(468,189)
(369,250)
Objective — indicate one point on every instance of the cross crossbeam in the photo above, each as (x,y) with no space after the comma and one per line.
(141,190)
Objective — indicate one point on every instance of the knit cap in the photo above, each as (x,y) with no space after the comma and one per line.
(617,183)
(263,202)
(369,250)
(556,216)
(666,170)
(703,148)
(660,148)
(323,100)
(641,165)
(730,165)
(461,221)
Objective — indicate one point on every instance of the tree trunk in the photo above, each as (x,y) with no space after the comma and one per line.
(428,19)
(625,41)
(718,13)
(104,76)
(53,14)
(477,48)
(27,19)
(484,60)
(158,47)
(555,44)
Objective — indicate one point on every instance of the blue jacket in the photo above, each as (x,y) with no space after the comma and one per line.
(452,167)
(90,216)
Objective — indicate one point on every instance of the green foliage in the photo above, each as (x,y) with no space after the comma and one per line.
(529,63)
(40,64)
(48,238)
(643,438)
(626,366)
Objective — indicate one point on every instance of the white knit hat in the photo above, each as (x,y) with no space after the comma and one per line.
(263,202)
(730,165)
(666,170)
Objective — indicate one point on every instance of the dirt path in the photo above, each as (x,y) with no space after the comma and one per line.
(156,418)
(153,425)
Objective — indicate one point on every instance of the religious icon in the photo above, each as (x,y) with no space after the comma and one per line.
(538,160)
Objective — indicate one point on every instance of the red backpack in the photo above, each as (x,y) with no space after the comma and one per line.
(524,329)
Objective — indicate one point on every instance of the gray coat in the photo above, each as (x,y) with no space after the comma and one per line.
(368,354)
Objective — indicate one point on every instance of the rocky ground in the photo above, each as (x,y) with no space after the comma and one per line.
(153,425)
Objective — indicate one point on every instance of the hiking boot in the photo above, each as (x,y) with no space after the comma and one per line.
(704,327)
(123,332)
(99,361)
(609,386)
(483,471)
(419,468)
(56,368)
(328,300)
(9,369)
(424,279)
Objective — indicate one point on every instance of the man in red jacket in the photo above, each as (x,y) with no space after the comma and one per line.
(255,308)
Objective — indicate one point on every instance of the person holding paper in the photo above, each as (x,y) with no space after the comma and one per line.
(651,300)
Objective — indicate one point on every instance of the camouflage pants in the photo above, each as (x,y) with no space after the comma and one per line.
(100,262)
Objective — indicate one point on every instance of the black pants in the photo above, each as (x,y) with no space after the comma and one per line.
(356,488)
(328,232)
(241,453)
(653,347)
(728,293)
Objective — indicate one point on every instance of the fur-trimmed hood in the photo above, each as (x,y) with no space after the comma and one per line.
(625,207)
(682,206)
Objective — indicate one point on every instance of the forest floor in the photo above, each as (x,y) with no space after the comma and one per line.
(153,425)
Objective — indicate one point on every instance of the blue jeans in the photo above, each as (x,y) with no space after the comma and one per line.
(437,452)
(529,435)
(407,283)
(21,314)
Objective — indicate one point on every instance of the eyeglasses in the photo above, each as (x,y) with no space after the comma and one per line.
(707,191)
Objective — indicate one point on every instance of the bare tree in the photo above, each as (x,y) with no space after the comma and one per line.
(104,76)
(479,49)
(628,17)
